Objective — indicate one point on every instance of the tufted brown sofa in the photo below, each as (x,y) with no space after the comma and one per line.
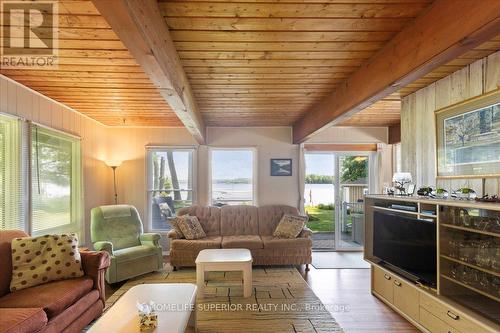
(247,227)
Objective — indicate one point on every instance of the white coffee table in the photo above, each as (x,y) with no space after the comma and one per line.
(223,260)
(176,300)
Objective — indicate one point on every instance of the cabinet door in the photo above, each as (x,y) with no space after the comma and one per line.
(406,298)
(382,283)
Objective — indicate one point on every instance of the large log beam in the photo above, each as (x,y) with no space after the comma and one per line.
(446,30)
(141,27)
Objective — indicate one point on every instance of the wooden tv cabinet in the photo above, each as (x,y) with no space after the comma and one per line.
(460,303)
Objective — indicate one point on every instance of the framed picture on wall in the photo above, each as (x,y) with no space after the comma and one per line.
(281,166)
(468,138)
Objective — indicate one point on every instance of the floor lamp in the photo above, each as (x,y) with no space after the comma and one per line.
(113,165)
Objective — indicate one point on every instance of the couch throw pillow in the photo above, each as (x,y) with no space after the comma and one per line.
(175,224)
(290,226)
(191,227)
(38,260)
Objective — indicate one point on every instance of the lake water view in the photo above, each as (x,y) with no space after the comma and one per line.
(319,193)
(314,193)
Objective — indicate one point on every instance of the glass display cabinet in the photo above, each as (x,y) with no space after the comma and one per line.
(469,257)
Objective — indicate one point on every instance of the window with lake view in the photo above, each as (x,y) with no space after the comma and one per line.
(232,176)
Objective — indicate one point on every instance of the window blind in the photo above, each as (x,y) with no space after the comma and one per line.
(56,191)
(11,180)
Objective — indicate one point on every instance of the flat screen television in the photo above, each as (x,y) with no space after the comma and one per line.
(407,245)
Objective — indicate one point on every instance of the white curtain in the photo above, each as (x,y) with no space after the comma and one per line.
(302,177)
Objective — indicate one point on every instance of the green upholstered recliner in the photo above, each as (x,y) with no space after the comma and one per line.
(117,229)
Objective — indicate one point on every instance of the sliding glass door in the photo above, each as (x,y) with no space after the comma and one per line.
(335,183)
(352,185)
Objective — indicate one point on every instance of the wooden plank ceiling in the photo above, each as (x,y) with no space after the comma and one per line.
(253,63)
(387,111)
(249,62)
(97,75)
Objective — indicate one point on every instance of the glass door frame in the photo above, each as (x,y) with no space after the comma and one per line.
(339,199)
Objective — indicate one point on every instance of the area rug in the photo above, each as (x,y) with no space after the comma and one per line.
(334,260)
(281,301)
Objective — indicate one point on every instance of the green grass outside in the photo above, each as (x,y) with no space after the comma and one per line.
(320,219)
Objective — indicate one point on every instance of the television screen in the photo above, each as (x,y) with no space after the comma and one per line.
(406,243)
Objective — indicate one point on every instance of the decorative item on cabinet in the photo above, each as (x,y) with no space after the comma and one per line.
(425,191)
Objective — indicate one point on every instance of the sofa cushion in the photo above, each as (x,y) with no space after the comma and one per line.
(22,320)
(239,220)
(290,226)
(209,218)
(53,297)
(37,260)
(191,227)
(211,242)
(284,243)
(79,314)
(244,242)
(270,216)
(134,252)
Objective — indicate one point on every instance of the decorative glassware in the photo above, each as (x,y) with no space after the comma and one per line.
(440,193)
(465,193)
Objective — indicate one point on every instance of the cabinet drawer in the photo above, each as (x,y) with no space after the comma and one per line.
(406,298)
(450,316)
(433,324)
(382,283)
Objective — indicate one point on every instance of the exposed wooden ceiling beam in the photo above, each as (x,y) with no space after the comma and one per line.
(141,27)
(446,30)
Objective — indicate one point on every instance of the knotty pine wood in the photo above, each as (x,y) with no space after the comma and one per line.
(141,27)
(397,65)
(284,54)
(418,138)
(218,58)
(364,116)
(95,67)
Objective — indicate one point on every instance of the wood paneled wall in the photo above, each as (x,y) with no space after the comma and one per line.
(418,137)
(17,100)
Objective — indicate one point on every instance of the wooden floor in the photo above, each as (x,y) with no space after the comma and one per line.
(346,293)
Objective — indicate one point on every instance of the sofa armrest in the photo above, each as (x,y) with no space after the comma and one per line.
(173,234)
(150,239)
(306,233)
(94,265)
(104,246)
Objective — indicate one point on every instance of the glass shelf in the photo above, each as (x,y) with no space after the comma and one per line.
(479,291)
(485,270)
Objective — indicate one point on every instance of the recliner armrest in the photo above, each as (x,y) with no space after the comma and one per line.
(173,234)
(306,233)
(104,246)
(151,239)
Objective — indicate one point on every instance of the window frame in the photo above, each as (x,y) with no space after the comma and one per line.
(255,165)
(148,166)
(77,183)
(19,170)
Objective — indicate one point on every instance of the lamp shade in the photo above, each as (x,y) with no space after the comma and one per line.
(402,177)
(113,163)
